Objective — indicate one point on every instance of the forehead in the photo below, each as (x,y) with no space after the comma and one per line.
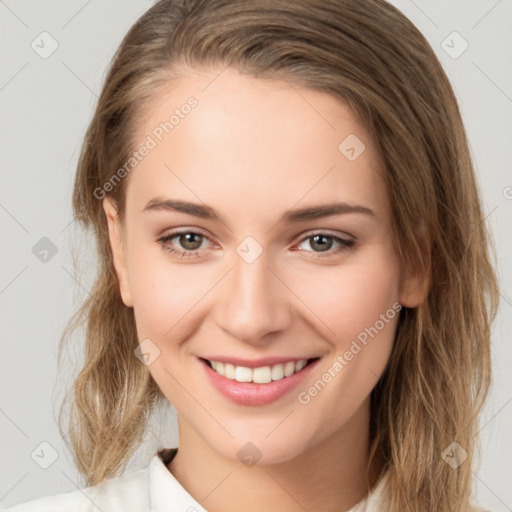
(235,141)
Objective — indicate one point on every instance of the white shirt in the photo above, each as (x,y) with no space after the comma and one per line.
(152,489)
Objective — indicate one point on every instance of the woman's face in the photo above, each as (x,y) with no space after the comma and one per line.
(261,277)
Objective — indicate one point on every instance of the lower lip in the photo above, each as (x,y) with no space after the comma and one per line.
(250,393)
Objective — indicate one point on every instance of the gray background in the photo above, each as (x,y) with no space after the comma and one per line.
(46,104)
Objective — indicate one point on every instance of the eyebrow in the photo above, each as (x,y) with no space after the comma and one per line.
(291,216)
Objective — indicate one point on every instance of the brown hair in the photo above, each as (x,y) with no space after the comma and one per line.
(365,52)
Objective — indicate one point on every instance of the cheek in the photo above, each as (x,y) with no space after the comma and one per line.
(165,291)
(350,297)
(359,304)
(166,301)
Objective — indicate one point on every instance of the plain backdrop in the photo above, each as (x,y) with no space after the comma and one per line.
(47,102)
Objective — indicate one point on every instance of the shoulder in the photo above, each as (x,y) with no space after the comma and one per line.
(127,492)
(378,499)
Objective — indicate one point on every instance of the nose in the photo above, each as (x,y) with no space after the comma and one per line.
(253,302)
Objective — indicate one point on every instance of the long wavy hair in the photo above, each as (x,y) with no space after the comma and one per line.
(367,53)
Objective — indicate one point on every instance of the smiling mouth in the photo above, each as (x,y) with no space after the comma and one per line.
(259,375)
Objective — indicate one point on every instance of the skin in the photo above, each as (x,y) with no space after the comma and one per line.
(253,149)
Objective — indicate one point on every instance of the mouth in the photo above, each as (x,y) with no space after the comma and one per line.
(256,384)
(261,374)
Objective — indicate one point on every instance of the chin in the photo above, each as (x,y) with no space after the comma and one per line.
(252,447)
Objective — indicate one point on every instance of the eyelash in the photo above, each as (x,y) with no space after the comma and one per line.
(345,243)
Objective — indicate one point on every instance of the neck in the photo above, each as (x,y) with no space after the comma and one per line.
(329,476)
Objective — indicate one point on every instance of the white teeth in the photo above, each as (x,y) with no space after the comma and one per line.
(229,371)
(289,368)
(243,374)
(300,364)
(261,375)
(277,372)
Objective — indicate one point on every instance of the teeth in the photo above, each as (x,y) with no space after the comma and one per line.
(289,368)
(261,375)
(243,374)
(229,371)
(277,372)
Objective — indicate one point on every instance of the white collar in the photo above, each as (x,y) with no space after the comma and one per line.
(166,494)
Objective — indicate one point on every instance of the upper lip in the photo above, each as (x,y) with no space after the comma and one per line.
(256,363)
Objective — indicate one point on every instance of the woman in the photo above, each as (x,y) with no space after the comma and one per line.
(293,254)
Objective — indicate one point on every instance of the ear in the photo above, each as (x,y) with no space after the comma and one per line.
(413,291)
(416,283)
(117,245)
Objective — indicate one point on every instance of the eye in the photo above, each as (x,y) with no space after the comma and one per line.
(322,243)
(189,240)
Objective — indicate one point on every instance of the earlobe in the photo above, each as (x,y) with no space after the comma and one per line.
(414,290)
(117,245)
(416,284)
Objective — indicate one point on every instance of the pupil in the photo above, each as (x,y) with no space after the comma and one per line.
(188,238)
(322,247)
